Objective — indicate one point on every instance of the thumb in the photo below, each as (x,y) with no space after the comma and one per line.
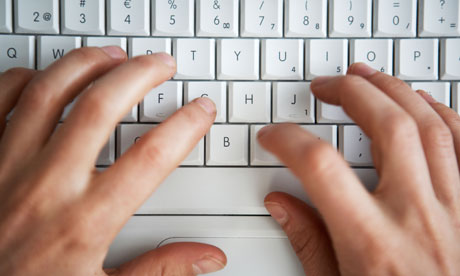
(306,232)
(176,259)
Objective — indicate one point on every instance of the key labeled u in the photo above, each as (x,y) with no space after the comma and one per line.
(281,58)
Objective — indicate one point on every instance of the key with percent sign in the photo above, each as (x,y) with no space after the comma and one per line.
(173,18)
(217,18)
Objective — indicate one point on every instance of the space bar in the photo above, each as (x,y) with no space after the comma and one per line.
(224,191)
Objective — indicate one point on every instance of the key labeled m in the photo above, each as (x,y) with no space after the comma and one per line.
(58,53)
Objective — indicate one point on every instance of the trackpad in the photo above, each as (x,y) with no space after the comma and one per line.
(252,256)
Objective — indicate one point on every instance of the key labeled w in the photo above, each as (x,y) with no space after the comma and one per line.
(58,53)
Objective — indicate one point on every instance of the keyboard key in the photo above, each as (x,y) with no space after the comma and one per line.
(17,51)
(350,18)
(416,59)
(161,102)
(195,58)
(238,59)
(450,59)
(395,18)
(305,18)
(128,17)
(325,57)
(147,46)
(249,102)
(229,191)
(259,156)
(439,18)
(355,146)
(293,102)
(107,154)
(83,17)
(52,48)
(377,53)
(327,133)
(455,96)
(227,145)
(130,134)
(327,113)
(105,41)
(216,91)
(217,18)
(262,18)
(6,16)
(282,59)
(173,18)
(40,17)
(440,91)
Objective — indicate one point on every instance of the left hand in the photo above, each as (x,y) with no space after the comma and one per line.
(58,215)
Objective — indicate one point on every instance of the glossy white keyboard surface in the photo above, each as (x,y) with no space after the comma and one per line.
(255,59)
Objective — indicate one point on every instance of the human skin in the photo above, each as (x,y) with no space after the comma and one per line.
(58,215)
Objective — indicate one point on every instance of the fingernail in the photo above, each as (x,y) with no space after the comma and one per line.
(207,104)
(321,80)
(426,96)
(263,131)
(277,212)
(361,69)
(167,59)
(207,265)
(114,52)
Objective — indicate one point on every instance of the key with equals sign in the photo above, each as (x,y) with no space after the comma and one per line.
(396,4)
(453,25)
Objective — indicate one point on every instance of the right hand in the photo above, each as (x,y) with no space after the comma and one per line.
(410,225)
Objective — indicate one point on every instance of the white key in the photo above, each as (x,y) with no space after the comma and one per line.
(17,51)
(416,59)
(32,16)
(128,135)
(325,57)
(305,18)
(355,146)
(128,17)
(439,18)
(52,48)
(195,58)
(350,18)
(327,113)
(327,133)
(455,96)
(161,102)
(396,18)
(6,16)
(249,102)
(228,191)
(238,59)
(105,41)
(259,156)
(282,59)
(293,102)
(377,53)
(217,18)
(440,91)
(148,46)
(227,145)
(196,156)
(450,59)
(107,155)
(262,18)
(83,17)
(216,91)
(173,18)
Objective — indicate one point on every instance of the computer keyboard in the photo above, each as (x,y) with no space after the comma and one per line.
(255,59)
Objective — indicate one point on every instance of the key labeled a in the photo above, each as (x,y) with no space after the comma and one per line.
(282,59)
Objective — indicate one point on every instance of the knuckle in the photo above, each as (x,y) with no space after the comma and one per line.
(319,157)
(398,126)
(95,108)
(438,135)
(88,55)
(39,93)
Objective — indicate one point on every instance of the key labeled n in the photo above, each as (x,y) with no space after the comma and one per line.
(58,53)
